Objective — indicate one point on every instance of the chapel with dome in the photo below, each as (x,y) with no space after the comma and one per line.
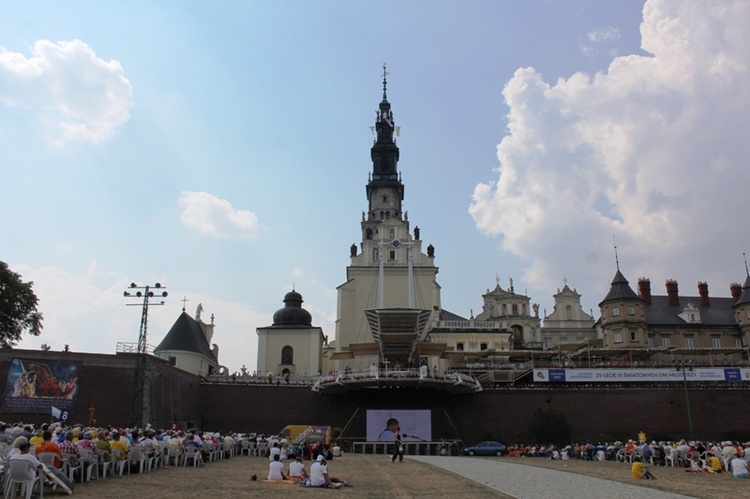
(291,345)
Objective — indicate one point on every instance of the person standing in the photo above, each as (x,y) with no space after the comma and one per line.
(398,451)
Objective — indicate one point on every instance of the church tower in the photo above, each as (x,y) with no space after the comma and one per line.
(388,270)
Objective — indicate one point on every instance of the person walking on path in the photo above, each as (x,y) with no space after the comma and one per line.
(398,451)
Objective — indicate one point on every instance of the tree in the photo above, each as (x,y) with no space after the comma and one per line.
(549,426)
(18,312)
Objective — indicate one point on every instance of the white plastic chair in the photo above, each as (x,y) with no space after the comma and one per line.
(174,454)
(138,457)
(17,478)
(92,470)
(120,462)
(70,470)
(193,454)
(670,455)
(104,465)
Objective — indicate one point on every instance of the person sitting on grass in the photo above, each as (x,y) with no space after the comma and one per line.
(695,465)
(276,469)
(714,464)
(640,470)
(319,475)
(297,470)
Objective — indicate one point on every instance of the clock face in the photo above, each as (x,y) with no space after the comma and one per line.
(396,243)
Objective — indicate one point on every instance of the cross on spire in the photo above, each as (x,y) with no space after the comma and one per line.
(385,81)
(184,301)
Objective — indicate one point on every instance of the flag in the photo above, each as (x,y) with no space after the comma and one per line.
(56,413)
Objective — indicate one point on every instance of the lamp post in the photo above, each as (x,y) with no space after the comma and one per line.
(687,399)
(139,380)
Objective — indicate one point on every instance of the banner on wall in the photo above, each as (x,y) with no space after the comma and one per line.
(42,387)
(638,375)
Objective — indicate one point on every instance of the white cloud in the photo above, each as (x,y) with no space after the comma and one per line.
(608,33)
(80,95)
(652,152)
(87,311)
(213,216)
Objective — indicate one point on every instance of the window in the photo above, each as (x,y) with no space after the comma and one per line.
(483,346)
(631,310)
(618,337)
(716,341)
(633,335)
(738,343)
(616,311)
(392,256)
(460,347)
(173,361)
(688,342)
(651,342)
(665,341)
(287,355)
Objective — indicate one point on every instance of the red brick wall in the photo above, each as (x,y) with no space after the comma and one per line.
(176,396)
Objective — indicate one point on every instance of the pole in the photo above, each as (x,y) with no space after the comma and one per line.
(687,403)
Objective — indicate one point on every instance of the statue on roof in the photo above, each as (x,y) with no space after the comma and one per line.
(198,311)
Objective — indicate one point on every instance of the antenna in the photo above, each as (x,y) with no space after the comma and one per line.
(617,258)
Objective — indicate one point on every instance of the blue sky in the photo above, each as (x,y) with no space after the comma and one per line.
(222,148)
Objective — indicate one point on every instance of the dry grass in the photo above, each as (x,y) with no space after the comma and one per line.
(376,476)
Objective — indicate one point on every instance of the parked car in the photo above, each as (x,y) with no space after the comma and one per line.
(487,448)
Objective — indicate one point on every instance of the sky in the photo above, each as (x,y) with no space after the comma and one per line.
(222,149)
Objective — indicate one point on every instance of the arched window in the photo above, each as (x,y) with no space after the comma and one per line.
(287,355)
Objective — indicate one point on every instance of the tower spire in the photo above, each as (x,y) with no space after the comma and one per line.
(385,83)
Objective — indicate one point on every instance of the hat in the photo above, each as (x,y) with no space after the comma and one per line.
(321,457)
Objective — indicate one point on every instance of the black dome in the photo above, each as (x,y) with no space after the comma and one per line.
(292,314)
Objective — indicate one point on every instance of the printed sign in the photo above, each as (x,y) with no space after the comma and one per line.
(42,387)
(636,375)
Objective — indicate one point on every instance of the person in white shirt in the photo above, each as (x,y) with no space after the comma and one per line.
(24,455)
(739,466)
(319,475)
(276,469)
(274,451)
(297,470)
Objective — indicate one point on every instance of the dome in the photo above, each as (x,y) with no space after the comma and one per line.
(292,314)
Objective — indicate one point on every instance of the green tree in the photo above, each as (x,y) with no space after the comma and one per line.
(549,426)
(18,313)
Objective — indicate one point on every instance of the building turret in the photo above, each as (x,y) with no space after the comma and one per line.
(623,317)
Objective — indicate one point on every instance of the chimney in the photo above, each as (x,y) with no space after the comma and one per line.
(703,291)
(736,289)
(644,289)
(672,296)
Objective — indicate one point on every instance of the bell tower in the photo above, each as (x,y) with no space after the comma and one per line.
(388,270)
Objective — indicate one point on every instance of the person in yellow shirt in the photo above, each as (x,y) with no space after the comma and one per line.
(640,471)
(119,442)
(37,438)
(714,464)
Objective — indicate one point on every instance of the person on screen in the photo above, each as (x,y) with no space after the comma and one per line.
(391,427)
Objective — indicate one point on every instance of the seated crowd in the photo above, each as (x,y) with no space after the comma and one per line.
(693,456)
(79,454)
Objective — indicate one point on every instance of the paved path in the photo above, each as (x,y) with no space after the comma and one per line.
(531,482)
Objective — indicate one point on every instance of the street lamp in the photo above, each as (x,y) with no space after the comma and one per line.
(139,381)
(687,397)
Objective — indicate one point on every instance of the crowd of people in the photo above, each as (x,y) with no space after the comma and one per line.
(76,453)
(693,456)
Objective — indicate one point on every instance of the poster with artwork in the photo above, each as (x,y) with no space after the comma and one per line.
(45,386)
